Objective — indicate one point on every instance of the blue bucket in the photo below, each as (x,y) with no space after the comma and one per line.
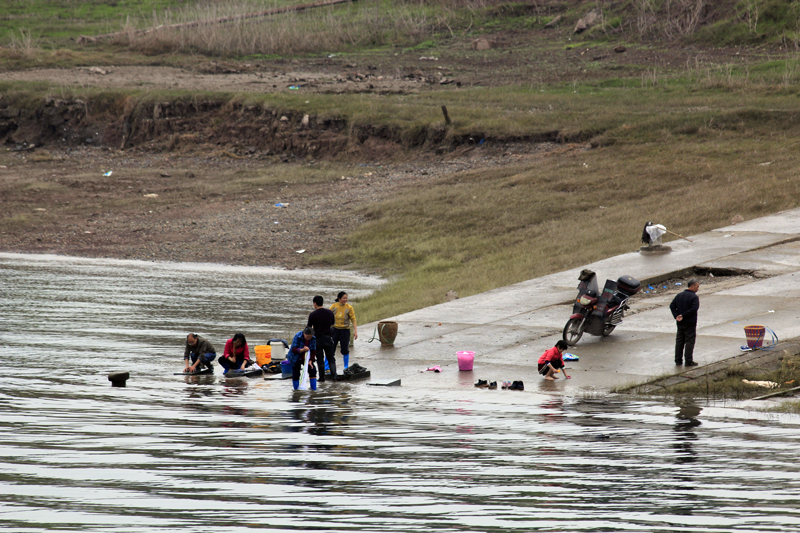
(286,369)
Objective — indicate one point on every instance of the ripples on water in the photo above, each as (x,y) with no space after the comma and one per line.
(208,454)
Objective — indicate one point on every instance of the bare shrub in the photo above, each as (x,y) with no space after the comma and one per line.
(669,18)
(645,16)
(24,44)
(751,14)
(649,78)
(683,16)
(792,66)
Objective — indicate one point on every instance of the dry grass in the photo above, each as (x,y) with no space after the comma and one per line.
(367,23)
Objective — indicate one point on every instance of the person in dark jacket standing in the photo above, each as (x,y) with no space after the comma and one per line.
(684,308)
(321,320)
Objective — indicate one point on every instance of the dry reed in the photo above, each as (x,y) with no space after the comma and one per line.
(326,29)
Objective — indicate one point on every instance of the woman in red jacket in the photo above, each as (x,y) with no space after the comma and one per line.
(236,355)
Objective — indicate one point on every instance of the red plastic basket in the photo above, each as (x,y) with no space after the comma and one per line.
(755,336)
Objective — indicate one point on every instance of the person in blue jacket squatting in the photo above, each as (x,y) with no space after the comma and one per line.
(303,342)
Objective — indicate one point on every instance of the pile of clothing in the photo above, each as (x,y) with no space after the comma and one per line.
(354,370)
(273,367)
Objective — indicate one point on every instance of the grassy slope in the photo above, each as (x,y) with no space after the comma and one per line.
(478,230)
(689,153)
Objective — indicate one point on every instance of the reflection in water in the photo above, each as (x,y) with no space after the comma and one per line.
(210,454)
(235,387)
(553,410)
(687,421)
(319,413)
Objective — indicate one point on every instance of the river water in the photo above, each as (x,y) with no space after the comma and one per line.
(209,454)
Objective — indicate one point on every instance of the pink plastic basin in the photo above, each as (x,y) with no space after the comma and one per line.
(465,360)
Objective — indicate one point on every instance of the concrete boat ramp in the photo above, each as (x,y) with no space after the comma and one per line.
(508,328)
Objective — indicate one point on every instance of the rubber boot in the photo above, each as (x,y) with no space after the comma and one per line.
(296,384)
(332,366)
(346,360)
(313,383)
(321,364)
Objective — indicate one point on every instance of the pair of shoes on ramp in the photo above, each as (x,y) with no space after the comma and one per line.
(507,385)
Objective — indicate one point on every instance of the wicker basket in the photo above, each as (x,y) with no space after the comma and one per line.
(755,336)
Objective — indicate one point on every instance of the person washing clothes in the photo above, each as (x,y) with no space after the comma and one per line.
(344,314)
(236,355)
(199,351)
(303,343)
(551,360)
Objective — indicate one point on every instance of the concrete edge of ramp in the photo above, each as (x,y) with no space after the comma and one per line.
(748,360)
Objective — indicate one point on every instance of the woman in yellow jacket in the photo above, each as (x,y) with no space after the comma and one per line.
(343,315)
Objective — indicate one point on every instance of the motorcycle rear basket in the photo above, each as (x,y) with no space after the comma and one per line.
(628,285)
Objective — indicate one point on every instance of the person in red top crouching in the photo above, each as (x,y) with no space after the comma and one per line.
(236,355)
(550,361)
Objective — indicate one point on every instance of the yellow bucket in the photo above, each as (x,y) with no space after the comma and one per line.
(263,354)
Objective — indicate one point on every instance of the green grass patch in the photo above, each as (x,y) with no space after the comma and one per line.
(15,221)
(47,22)
(424,45)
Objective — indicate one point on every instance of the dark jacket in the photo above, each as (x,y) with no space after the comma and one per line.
(321,320)
(686,304)
(202,347)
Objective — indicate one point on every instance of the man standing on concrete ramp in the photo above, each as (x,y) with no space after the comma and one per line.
(321,320)
(684,308)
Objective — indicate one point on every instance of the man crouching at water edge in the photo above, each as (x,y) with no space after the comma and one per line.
(550,361)
(199,351)
(303,343)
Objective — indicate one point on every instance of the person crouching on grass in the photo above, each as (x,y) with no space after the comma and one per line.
(550,361)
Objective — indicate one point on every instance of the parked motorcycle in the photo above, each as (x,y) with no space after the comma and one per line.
(598,313)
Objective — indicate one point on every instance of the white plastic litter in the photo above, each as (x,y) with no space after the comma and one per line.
(656,231)
(765,384)
(305,379)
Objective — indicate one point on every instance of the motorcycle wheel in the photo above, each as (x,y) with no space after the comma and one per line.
(573,331)
(607,329)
